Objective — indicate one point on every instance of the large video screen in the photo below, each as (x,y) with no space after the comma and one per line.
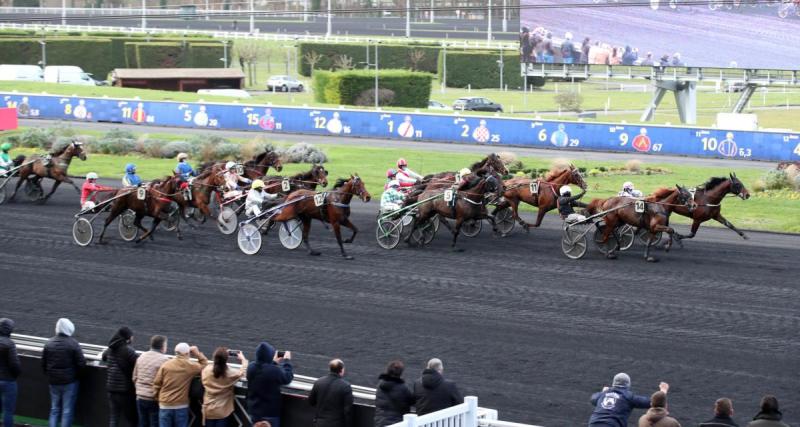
(715,33)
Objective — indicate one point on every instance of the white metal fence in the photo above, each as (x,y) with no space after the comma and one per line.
(467,414)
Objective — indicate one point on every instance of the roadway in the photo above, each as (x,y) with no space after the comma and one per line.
(516,323)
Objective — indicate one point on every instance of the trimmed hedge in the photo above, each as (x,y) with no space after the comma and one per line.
(389,56)
(93,55)
(207,55)
(156,55)
(411,89)
(481,70)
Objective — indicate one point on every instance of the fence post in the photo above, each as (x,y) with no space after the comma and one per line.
(410,420)
(472,411)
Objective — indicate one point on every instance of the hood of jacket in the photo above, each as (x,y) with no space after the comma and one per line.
(6,327)
(265,353)
(769,415)
(388,382)
(655,415)
(120,338)
(431,378)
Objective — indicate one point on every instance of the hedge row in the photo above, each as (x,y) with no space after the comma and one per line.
(90,54)
(389,56)
(481,70)
(398,88)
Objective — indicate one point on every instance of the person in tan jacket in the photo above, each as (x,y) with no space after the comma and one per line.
(657,415)
(171,386)
(219,381)
(144,373)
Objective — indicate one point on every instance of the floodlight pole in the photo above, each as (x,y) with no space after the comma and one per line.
(252,17)
(225,53)
(408,18)
(63,12)
(376,74)
(144,14)
(330,29)
(505,17)
(431,14)
(489,26)
(44,53)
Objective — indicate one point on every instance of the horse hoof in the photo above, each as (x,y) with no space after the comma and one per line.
(458,250)
(348,257)
(744,236)
(611,256)
(348,241)
(315,253)
(652,259)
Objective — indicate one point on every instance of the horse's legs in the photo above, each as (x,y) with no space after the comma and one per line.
(52,190)
(20,180)
(306,229)
(115,212)
(611,225)
(539,216)
(456,231)
(346,222)
(68,180)
(337,231)
(721,219)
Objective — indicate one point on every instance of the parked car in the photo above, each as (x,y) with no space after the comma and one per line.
(30,73)
(475,103)
(436,105)
(235,93)
(68,74)
(284,84)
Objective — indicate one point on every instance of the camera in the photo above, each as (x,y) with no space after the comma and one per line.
(281,354)
(233,353)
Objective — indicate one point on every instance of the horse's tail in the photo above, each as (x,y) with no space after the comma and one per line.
(18,160)
(594,206)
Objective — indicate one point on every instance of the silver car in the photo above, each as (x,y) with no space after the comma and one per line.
(284,84)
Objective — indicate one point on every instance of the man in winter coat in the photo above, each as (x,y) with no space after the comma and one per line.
(613,406)
(432,392)
(172,383)
(9,371)
(393,399)
(332,398)
(657,415)
(144,373)
(265,376)
(723,411)
(121,358)
(62,362)
(769,416)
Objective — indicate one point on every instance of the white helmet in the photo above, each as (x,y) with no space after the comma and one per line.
(91,175)
(464,172)
(565,190)
(230,165)
(182,156)
(627,186)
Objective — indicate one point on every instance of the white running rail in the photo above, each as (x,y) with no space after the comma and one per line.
(467,414)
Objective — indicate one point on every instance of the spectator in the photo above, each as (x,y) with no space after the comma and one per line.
(144,373)
(585,47)
(723,411)
(648,59)
(629,57)
(265,377)
(432,392)
(676,60)
(616,56)
(657,415)
(332,397)
(567,49)
(548,52)
(664,62)
(219,381)
(62,361)
(770,415)
(171,386)
(613,405)
(525,45)
(9,371)
(393,399)
(121,358)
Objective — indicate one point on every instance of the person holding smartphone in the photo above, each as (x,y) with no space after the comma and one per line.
(265,376)
(219,381)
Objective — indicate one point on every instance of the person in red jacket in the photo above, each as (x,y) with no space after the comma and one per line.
(90,189)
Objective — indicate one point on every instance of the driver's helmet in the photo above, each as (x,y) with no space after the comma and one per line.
(182,156)
(130,168)
(229,166)
(391,173)
(91,176)
(627,186)
(401,162)
(464,172)
(6,146)
(565,190)
(257,184)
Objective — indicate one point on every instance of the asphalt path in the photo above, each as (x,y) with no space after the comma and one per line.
(545,153)
(516,323)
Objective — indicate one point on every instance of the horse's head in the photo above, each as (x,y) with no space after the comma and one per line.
(357,188)
(738,188)
(497,163)
(685,198)
(575,177)
(274,159)
(75,149)
(320,175)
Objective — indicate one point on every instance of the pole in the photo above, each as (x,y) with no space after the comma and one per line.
(431,14)
(252,17)
(368,42)
(489,21)
(328,33)
(44,53)
(444,69)
(305,10)
(207,17)
(408,18)
(225,53)
(144,14)
(505,17)
(500,64)
(376,75)
(63,12)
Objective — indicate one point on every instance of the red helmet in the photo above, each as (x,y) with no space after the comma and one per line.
(391,173)
(401,162)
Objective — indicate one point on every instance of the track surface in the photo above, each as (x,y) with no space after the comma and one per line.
(516,323)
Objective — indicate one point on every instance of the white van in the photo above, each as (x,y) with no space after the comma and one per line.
(30,73)
(68,74)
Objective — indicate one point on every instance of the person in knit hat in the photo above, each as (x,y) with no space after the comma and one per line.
(613,405)
(657,415)
(769,415)
(62,361)
(120,357)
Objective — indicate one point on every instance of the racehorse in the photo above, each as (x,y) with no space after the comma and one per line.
(253,168)
(157,204)
(709,199)
(56,169)
(334,209)
(492,161)
(546,196)
(655,218)
(470,203)
(317,175)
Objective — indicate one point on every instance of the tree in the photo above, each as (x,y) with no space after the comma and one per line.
(342,62)
(415,57)
(249,52)
(312,58)
(569,101)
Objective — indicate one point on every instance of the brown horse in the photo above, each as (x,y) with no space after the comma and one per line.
(480,168)
(655,218)
(55,169)
(158,201)
(334,209)
(317,175)
(545,198)
(709,198)
(470,203)
(253,168)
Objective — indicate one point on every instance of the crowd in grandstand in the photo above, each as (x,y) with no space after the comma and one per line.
(152,389)
(539,46)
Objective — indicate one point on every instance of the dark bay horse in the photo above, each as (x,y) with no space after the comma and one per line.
(157,204)
(309,180)
(655,218)
(519,190)
(709,198)
(492,161)
(334,209)
(470,203)
(55,170)
(253,168)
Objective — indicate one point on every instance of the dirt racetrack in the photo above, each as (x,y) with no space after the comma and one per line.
(516,323)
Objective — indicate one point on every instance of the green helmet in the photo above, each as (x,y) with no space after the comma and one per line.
(6,146)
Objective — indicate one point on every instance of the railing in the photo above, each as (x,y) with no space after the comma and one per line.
(467,414)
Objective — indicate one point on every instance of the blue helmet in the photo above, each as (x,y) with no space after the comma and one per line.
(130,168)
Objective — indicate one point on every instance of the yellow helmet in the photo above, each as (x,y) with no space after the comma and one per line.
(464,172)
(257,184)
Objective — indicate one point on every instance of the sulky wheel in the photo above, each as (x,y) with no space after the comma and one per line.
(171,222)
(3,194)
(504,218)
(573,243)
(471,227)
(227,221)
(423,234)
(249,239)
(388,233)
(290,233)
(646,237)
(626,236)
(604,247)
(127,229)
(82,231)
